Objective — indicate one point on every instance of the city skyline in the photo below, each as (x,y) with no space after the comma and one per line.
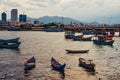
(106,11)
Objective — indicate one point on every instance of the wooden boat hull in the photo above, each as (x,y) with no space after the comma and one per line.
(14,46)
(29,66)
(77,51)
(57,67)
(98,42)
(82,63)
(10,40)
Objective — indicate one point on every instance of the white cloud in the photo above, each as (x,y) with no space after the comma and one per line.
(77,9)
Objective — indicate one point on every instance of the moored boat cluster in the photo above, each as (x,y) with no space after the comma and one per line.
(101,39)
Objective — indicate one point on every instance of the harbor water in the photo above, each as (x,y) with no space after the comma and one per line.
(44,45)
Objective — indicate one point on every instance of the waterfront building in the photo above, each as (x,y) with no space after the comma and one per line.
(4,17)
(22,18)
(14,15)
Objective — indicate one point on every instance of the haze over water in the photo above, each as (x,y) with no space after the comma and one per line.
(44,45)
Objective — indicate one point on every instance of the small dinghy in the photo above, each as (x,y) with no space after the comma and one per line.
(29,64)
(58,67)
(77,51)
(87,64)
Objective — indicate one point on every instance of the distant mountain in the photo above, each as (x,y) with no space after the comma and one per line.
(94,23)
(49,19)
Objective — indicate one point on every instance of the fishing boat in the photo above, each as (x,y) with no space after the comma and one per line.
(105,37)
(78,37)
(10,40)
(12,28)
(58,67)
(29,64)
(31,60)
(86,38)
(87,64)
(99,42)
(77,51)
(10,46)
(69,35)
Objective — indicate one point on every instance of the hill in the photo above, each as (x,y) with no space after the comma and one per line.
(49,19)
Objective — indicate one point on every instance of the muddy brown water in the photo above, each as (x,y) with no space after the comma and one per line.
(44,45)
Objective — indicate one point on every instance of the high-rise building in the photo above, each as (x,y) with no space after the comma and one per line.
(14,15)
(4,17)
(22,18)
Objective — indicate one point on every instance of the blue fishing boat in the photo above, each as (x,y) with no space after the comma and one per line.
(99,42)
(56,65)
(10,46)
(10,40)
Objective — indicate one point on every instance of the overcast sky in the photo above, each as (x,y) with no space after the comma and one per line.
(82,10)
